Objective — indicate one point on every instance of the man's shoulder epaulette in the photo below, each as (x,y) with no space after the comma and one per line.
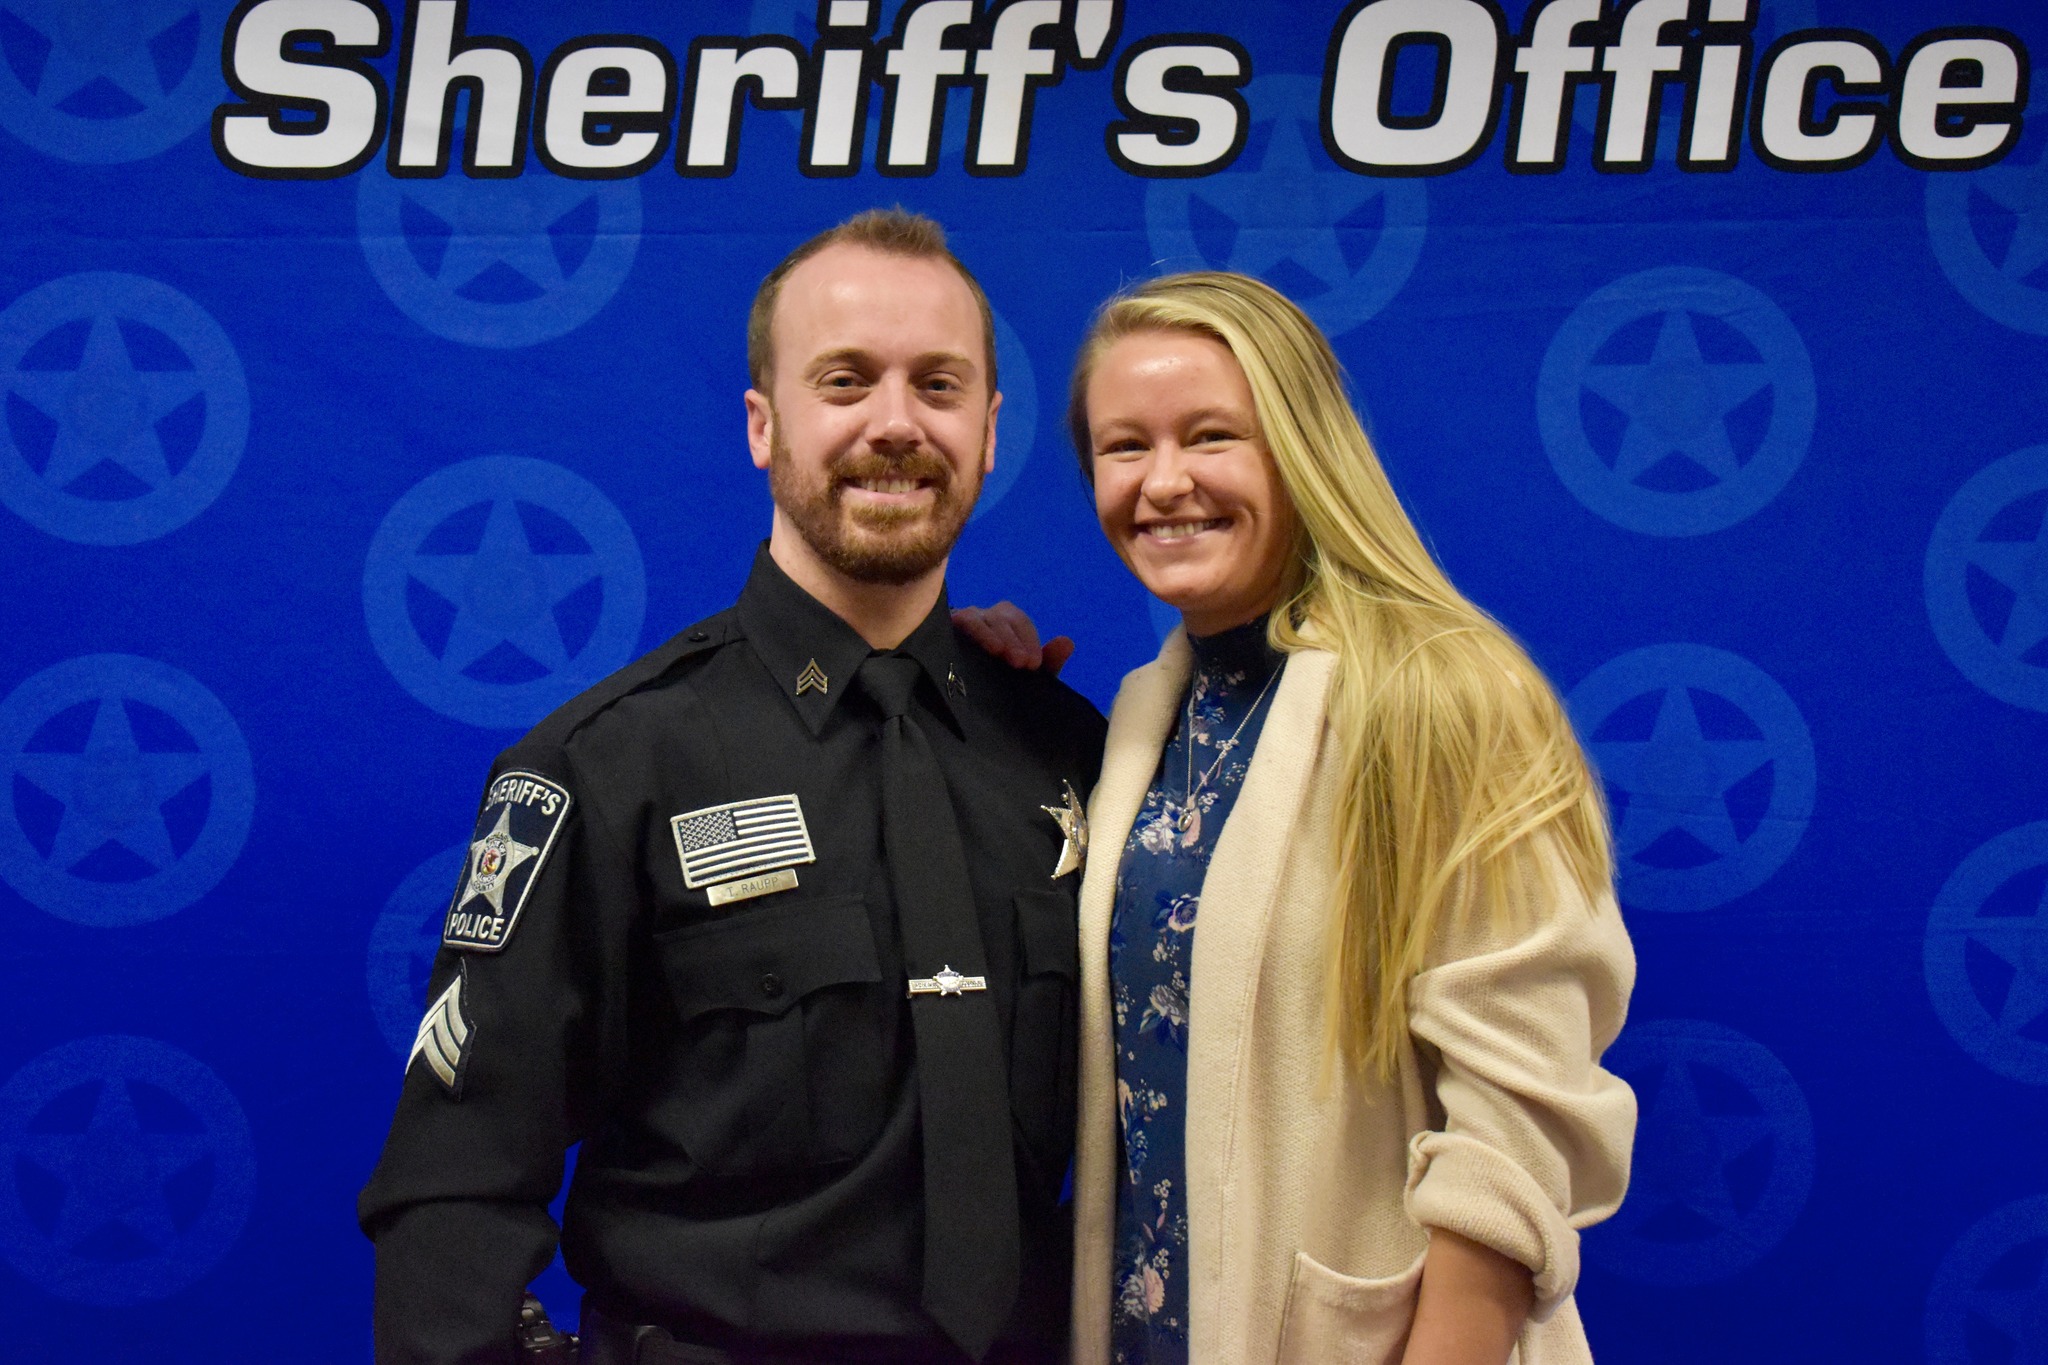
(683,651)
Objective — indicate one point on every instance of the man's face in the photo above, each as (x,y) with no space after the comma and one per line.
(878,426)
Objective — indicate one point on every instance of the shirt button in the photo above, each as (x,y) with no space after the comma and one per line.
(771,985)
(699,636)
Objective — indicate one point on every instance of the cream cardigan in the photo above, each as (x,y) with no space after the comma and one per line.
(1307,1202)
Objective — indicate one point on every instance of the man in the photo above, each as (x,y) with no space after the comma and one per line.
(778,922)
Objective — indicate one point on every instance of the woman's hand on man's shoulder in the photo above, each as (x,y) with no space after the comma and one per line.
(1005,631)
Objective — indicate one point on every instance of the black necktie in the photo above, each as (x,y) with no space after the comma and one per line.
(970,1179)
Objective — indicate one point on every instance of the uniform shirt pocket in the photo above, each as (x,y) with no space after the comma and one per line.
(1042,1030)
(778,1012)
(1337,1319)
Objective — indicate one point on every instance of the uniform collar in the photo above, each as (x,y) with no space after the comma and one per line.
(806,646)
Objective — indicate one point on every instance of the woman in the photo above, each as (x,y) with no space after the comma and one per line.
(1364,1119)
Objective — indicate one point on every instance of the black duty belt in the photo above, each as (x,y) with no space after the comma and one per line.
(603,1341)
(608,1341)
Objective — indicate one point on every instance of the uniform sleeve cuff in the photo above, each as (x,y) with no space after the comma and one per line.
(1464,1186)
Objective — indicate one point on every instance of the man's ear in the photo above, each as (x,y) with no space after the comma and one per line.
(760,426)
(988,444)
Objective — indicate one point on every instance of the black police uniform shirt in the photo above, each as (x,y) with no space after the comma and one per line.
(742,1077)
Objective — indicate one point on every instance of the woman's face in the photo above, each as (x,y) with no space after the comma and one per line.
(1184,485)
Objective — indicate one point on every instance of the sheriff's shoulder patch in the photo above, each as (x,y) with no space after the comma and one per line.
(522,814)
(445,1036)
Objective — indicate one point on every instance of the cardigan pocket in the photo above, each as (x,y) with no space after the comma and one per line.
(1337,1319)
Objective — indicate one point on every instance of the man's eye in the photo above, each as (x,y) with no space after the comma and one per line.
(840,381)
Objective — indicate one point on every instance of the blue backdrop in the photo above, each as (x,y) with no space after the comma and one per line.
(321,484)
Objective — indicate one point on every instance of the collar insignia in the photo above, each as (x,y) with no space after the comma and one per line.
(813,679)
(954,687)
(1073,822)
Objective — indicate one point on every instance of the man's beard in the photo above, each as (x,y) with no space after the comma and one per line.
(869,544)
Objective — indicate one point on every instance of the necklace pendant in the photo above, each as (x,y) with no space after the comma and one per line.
(1190,824)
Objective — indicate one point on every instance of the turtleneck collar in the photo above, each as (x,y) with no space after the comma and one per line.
(1241,649)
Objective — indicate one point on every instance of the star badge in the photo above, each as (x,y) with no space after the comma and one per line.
(1073,823)
(491,860)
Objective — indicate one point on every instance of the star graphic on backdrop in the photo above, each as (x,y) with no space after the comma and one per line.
(2021,942)
(504,592)
(2023,192)
(114,1171)
(1288,209)
(106,409)
(1677,402)
(1683,1152)
(99,40)
(511,853)
(1678,778)
(2022,566)
(2021,1315)
(499,221)
(113,791)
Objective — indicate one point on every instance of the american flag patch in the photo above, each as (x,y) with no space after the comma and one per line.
(720,843)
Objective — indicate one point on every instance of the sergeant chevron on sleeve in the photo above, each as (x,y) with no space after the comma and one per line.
(777,922)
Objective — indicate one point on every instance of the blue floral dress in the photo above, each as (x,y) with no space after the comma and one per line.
(1151,944)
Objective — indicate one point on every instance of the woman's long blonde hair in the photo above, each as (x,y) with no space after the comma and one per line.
(1456,746)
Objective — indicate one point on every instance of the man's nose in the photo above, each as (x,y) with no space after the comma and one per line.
(892,416)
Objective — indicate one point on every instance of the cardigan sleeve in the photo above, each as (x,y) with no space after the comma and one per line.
(1535,1138)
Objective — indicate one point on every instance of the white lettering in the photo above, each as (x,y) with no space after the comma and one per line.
(1358,102)
(1007,68)
(436,59)
(345,98)
(916,67)
(1924,93)
(1218,119)
(1547,62)
(1634,65)
(837,121)
(777,74)
(1093,19)
(1716,94)
(1791,81)
(572,108)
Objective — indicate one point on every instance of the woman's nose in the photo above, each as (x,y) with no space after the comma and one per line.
(1167,478)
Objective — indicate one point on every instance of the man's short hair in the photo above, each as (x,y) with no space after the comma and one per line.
(893,232)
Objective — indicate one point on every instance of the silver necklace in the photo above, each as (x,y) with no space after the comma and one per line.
(1189,821)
